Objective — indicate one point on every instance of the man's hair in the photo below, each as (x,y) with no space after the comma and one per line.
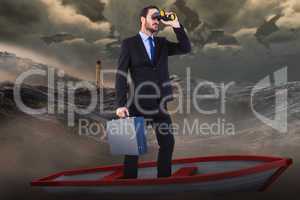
(144,11)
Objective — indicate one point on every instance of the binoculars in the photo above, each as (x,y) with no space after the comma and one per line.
(161,15)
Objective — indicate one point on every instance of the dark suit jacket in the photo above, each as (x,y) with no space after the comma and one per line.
(134,58)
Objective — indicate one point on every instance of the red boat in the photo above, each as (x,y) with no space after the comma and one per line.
(212,174)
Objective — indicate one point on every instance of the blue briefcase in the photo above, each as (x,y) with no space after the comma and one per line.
(127,136)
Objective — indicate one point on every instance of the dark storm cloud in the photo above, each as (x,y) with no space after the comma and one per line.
(217,12)
(25,12)
(17,17)
(254,12)
(93,9)
(35,18)
(28,21)
(25,23)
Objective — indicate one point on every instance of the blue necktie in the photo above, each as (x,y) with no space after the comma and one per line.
(152,49)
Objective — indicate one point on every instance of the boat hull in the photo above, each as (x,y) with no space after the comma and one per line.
(214,174)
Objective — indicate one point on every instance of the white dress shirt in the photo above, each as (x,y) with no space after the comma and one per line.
(145,38)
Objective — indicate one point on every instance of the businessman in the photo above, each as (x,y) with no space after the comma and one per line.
(145,57)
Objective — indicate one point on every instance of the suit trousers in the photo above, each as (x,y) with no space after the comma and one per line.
(162,124)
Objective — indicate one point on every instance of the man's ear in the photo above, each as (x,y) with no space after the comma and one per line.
(143,20)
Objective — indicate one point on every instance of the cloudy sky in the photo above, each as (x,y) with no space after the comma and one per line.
(98,25)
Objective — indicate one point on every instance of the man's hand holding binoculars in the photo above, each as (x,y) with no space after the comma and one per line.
(174,23)
(167,18)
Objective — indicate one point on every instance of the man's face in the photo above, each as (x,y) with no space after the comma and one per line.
(149,23)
